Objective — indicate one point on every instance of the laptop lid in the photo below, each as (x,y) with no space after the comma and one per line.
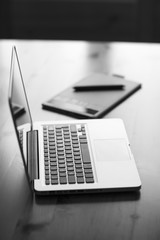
(18,103)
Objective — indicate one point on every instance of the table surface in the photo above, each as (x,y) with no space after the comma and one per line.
(48,67)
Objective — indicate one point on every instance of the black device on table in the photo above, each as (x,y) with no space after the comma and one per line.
(93,96)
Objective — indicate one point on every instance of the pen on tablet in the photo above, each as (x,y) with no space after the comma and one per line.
(99,87)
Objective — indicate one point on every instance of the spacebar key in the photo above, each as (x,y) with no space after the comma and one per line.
(85,153)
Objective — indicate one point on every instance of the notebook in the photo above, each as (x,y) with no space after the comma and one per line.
(93,96)
(75,156)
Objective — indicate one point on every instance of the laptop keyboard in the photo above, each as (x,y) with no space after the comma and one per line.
(66,155)
(21,137)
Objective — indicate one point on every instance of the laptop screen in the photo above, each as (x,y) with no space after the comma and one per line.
(17,98)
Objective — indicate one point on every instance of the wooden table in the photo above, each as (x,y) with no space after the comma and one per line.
(48,67)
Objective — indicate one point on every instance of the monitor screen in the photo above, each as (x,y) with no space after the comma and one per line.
(18,101)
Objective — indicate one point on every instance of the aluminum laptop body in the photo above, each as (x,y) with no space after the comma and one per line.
(103,158)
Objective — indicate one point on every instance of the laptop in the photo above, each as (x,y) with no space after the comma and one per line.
(73,156)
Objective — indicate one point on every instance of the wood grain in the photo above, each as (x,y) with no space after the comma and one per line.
(48,67)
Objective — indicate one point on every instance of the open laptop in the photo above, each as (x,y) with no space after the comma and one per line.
(72,156)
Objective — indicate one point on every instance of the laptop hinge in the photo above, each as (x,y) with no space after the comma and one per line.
(32,154)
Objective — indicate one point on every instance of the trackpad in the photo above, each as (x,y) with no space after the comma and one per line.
(111,150)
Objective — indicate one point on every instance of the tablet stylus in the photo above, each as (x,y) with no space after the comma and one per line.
(99,88)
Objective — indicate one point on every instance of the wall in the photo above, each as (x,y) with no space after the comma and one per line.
(117,20)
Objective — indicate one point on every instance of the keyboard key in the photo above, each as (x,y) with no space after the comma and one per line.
(78,161)
(73,128)
(62,170)
(50,127)
(60,149)
(68,152)
(76,149)
(61,161)
(67,143)
(74,138)
(63,180)
(54,172)
(75,145)
(52,151)
(51,139)
(80,180)
(83,141)
(71,179)
(75,142)
(79,174)
(79,170)
(85,153)
(53,164)
(66,136)
(76,153)
(70,168)
(77,158)
(70,173)
(46,172)
(69,160)
(54,177)
(52,155)
(69,164)
(82,137)
(61,157)
(60,165)
(89,180)
(89,175)
(87,166)
(54,181)
(88,170)
(62,174)
(52,147)
(47,177)
(79,165)
(68,155)
(74,134)
(68,148)
(47,182)
(53,160)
